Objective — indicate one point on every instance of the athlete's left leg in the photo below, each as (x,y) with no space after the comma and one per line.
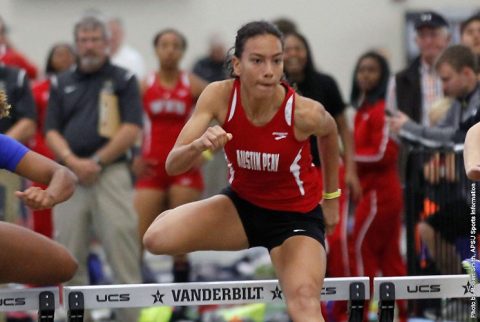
(300,266)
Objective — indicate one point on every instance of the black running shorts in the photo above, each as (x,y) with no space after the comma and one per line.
(270,228)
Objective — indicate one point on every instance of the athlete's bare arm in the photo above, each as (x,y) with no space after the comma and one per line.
(60,180)
(196,136)
(311,118)
(471,153)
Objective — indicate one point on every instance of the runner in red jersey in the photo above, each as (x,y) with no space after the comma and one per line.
(60,58)
(274,196)
(292,176)
(168,99)
(376,234)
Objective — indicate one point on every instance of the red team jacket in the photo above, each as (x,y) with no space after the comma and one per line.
(376,153)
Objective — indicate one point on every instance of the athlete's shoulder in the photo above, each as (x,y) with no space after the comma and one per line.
(309,114)
(220,90)
(215,99)
(308,109)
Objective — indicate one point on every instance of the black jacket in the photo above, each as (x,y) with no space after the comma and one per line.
(408,91)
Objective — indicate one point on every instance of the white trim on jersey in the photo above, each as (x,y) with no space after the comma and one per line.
(151,78)
(185,79)
(147,134)
(231,170)
(233,106)
(363,231)
(288,110)
(295,170)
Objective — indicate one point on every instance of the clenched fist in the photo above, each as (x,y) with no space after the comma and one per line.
(36,198)
(213,139)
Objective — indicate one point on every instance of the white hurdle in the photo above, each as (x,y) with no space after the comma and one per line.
(79,298)
(389,289)
(356,290)
(43,299)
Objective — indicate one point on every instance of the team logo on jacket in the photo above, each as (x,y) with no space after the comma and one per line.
(279,135)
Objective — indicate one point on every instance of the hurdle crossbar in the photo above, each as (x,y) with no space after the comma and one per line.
(428,287)
(184,294)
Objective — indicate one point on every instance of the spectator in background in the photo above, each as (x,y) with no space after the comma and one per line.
(20,125)
(94,116)
(375,241)
(168,100)
(60,57)
(470,33)
(11,57)
(301,73)
(285,25)
(211,68)
(414,89)
(122,54)
(457,68)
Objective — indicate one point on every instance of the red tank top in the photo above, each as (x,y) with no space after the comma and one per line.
(167,111)
(268,166)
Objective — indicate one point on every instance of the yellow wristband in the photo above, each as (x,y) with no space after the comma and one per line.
(207,155)
(332,195)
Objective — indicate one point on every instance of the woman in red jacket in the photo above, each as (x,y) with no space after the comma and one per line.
(376,234)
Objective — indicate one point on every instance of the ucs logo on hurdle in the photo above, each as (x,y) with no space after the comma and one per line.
(424,288)
(125,297)
(12,301)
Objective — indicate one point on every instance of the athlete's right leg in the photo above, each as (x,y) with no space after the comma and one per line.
(210,224)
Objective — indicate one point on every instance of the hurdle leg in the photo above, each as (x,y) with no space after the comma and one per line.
(76,307)
(46,307)
(357,302)
(386,304)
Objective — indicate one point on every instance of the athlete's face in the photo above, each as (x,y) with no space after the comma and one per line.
(471,36)
(455,84)
(260,66)
(92,48)
(295,55)
(169,50)
(368,74)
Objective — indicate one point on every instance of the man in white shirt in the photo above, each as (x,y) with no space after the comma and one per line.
(122,54)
